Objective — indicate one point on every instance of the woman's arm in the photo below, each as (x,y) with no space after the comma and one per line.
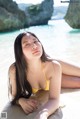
(54,91)
(28,105)
(12,80)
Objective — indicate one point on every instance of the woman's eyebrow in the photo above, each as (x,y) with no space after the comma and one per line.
(35,39)
(25,41)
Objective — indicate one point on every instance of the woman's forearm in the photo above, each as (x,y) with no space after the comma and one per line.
(50,107)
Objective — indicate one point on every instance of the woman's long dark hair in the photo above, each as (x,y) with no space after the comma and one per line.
(23,87)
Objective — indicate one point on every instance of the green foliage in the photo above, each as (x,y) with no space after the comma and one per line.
(34,9)
(21,15)
(9,23)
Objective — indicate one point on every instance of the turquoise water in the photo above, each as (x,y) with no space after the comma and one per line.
(59,40)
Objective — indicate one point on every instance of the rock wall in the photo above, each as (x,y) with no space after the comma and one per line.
(39,14)
(10,16)
(73,14)
(13,18)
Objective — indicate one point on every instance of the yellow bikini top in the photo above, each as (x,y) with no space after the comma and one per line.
(35,90)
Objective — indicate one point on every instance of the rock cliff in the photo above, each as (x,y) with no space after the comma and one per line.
(73,14)
(12,17)
(39,14)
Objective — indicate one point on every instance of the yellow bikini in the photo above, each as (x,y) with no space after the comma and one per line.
(35,90)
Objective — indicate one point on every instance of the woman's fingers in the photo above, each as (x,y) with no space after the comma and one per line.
(28,109)
(32,104)
(35,102)
(28,105)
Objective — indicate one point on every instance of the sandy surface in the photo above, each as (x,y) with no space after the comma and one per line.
(69,103)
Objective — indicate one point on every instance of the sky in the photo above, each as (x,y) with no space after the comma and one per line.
(56,2)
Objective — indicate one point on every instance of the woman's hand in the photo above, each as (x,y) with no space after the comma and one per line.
(28,105)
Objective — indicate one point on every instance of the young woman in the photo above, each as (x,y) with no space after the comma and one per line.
(34,71)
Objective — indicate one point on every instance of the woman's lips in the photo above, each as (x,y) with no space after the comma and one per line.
(35,52)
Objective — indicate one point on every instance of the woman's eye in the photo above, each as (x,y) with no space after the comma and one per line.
(27,45)
(35,41)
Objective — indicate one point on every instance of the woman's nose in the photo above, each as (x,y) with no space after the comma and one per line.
(34,46)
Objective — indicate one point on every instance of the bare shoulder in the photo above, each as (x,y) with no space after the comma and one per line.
(12,69)
(56,67)
(51,67)
(56,64)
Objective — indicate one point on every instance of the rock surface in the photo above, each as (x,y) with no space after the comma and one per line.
(39,14)
(10,16)
(13,18)
(73,14)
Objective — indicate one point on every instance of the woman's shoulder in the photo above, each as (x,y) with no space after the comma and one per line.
(52,64)
(12,68)
(56,63)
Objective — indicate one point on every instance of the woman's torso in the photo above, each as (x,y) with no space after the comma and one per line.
(40,79)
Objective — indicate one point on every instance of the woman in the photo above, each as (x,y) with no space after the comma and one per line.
(34,71)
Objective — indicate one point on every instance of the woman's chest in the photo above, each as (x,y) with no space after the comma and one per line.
(37,81)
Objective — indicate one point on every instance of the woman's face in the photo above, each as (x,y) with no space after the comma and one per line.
(31,47)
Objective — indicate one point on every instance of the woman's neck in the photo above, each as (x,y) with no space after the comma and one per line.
(34,65)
